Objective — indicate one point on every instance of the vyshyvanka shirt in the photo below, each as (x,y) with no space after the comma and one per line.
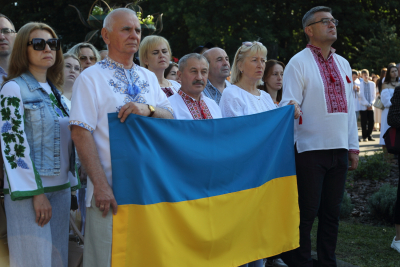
(171,90)
(104,88)
(237,102)
(20,173)
(187,108)
(324,92)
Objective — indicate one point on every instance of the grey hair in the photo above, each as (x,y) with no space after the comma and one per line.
(9,20)
(183,61)
(108,21)
(76,49)
(309,16)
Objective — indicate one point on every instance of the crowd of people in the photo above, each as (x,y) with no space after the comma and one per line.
(55,139)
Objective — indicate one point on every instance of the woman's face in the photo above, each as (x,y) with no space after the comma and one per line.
(72,69)
(394,72)
(43,59)
(274,81)
(172,74)
(158,57)
(253,66)
(87,57)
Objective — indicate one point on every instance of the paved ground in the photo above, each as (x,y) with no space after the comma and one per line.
(369,147)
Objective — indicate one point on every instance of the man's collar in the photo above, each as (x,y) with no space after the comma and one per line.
(317,50)
(188,97)
(117,64)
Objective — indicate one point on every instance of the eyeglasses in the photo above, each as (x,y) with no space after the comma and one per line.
(75,68)
(40,44)
(84,58)
(326,22)
(6,31)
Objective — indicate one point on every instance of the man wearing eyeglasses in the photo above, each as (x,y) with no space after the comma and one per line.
(326,136)
(7,37)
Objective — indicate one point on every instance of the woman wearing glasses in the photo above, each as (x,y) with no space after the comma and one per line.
(37,150)
(243,97)
(155,55)
(87,54)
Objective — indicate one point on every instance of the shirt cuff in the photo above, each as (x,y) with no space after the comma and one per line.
(354,151)
(81,124)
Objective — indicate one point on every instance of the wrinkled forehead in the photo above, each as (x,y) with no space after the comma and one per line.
(199,64)
(124,19)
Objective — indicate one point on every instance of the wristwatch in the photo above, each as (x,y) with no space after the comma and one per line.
(152,110)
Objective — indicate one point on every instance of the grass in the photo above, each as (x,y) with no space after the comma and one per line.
(364,245)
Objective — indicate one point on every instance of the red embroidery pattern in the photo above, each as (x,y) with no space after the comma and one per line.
(168,91)
(335,94)
(198,109)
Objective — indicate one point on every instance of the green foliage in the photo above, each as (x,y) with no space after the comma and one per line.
(346,207)
(381,49)
(363,35)
(382,203)
(373,167)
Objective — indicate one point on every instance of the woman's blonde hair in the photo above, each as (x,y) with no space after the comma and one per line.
(68,55)
(76,50)
(243,52)
(19,62)
(147,44)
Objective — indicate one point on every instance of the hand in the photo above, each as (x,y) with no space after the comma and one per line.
(297,110)
(104,198)
(369,108)
(42,207)
(135,108)
(353,158)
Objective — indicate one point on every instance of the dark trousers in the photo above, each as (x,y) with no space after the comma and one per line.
(397,207)
(367,123)
(321,176)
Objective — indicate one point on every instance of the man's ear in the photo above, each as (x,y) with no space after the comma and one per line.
(105,35)
(179,73)
(309,31)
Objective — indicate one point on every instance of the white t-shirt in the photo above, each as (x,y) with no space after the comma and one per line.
(102,89)
(181,110)
(238,102)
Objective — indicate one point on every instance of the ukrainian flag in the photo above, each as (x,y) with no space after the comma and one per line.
(213,193)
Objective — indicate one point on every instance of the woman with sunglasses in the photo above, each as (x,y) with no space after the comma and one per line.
(155,55)
(37,150)
(88,54)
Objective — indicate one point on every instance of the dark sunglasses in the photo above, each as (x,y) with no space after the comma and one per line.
(40,44)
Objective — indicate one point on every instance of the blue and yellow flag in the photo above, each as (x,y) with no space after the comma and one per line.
(212,193)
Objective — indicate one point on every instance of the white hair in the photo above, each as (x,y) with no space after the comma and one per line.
(108,21)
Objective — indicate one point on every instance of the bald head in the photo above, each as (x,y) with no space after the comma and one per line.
(109,20)
(219,64)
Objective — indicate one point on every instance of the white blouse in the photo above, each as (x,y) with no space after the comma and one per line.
(238,102)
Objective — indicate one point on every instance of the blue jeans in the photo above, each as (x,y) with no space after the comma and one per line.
(32,245)
(321,176)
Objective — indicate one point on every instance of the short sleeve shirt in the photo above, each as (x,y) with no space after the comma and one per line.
(104,88)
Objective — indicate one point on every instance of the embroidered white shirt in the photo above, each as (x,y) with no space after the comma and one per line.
(238,102)
(181,111)
(102,89)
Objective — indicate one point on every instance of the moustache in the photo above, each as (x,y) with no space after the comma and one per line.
(198,82)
